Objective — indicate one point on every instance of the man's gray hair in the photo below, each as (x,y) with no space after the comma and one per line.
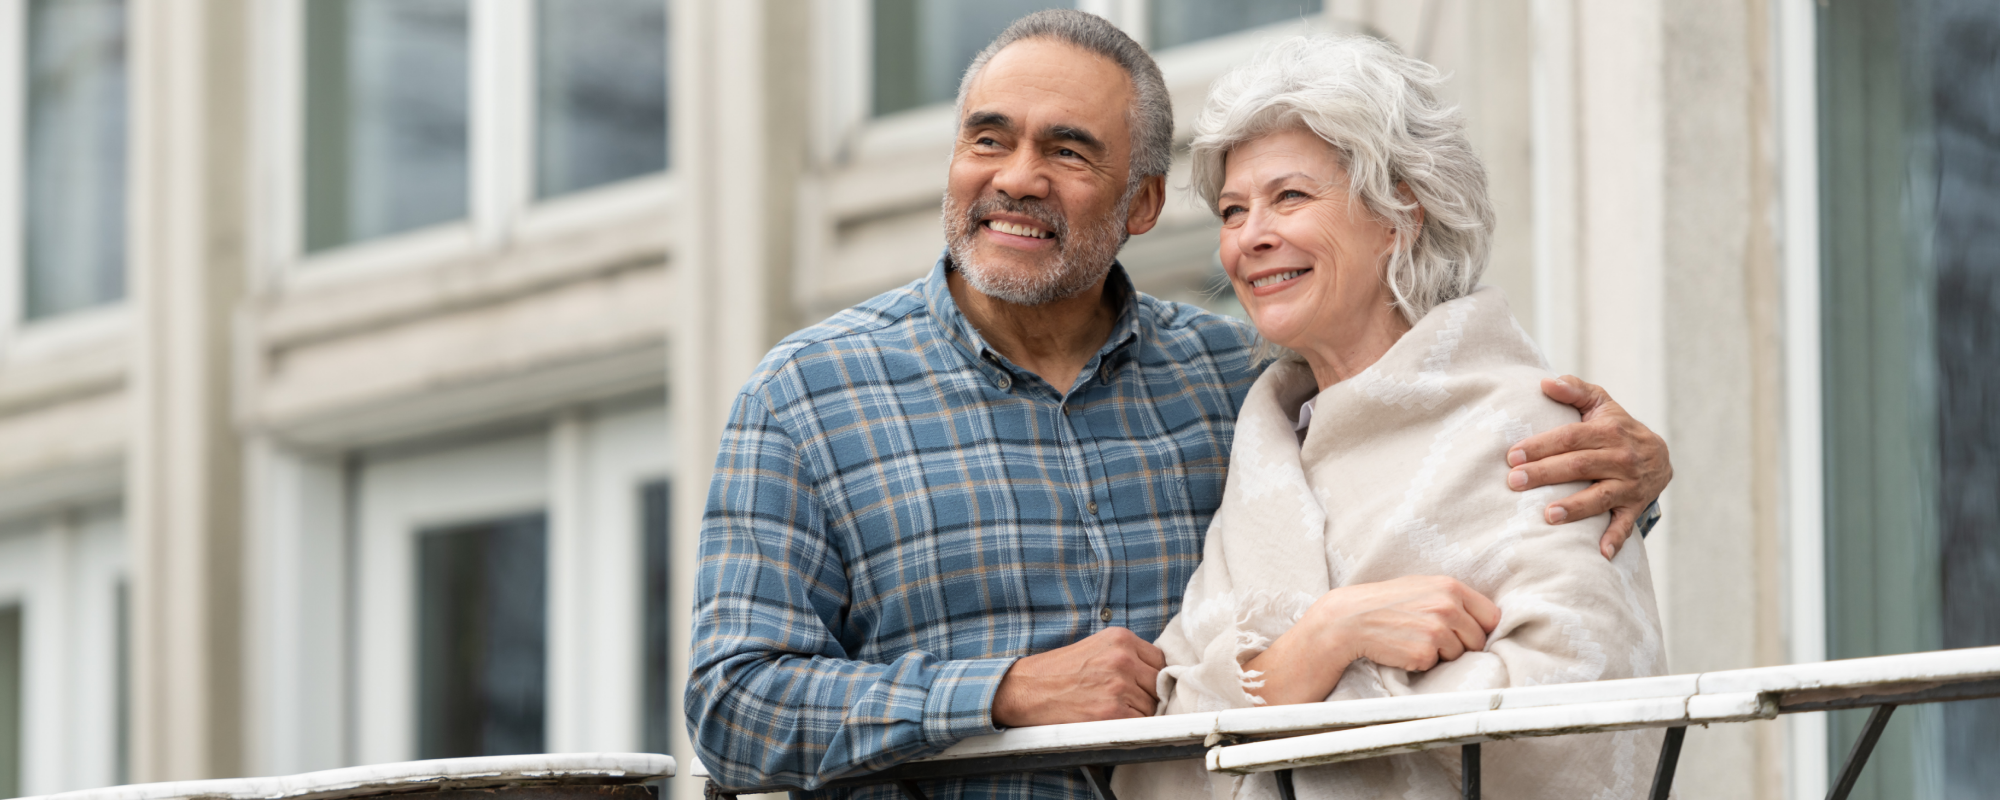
(1379,110)
(1152,113)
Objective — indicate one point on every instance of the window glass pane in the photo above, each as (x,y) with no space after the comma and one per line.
(653,521)
(601,92)
(922,47)
(10,701)
(1181,21)
(482,638)
(74,170)
(1910,176)
(386,99)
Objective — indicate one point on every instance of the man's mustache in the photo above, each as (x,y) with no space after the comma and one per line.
(1049,218)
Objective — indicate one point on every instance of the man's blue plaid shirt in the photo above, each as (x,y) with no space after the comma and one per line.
(898,513)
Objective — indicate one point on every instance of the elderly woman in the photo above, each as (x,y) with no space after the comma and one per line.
(1366,545)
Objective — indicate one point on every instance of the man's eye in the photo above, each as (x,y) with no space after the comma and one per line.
(986,141)
(1066,153)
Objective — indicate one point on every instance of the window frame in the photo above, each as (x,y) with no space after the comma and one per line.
(502,211)
(20,337)
(63,567)
(1804,480)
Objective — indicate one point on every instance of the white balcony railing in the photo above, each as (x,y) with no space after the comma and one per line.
(556,776)
(1282,738)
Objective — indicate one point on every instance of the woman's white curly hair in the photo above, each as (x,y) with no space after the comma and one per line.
(1379,110)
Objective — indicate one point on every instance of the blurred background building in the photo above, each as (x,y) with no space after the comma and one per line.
(362,361)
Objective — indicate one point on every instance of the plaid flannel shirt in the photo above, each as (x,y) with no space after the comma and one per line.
(898,513)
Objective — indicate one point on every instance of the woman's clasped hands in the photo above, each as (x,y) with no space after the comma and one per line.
(1411,623)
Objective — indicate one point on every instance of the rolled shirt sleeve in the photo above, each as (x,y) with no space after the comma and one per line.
(774,697)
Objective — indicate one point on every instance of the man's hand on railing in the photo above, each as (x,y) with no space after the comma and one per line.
(1107,676)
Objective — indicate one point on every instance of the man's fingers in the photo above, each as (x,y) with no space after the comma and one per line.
(1581,465)
(1562,391)
(1593,500)
(1151,655)
(1576,392)
(1576,436)
(1615,534)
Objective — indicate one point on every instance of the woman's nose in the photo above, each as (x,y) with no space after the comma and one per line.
(1257,235)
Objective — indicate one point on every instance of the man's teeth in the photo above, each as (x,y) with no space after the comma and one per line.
(1278,278)
(1018,230)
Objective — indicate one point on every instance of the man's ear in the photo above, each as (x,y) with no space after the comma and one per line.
(1146,205)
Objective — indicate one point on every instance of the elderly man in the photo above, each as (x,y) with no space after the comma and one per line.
(970,503)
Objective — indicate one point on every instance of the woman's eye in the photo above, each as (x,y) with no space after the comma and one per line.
(1232,211)
(1291,194)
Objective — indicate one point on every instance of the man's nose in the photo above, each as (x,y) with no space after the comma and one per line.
(1023,176)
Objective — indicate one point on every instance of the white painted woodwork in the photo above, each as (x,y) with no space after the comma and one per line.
(380,779)
(1424,734)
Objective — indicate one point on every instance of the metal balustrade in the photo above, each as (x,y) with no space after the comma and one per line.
(1283,738)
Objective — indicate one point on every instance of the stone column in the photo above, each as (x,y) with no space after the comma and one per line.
(184,478)
(740,118)
(1677,316)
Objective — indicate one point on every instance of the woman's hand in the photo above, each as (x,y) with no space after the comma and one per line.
(1410,623)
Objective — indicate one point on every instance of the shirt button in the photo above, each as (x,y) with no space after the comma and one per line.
(1093,509)
(1105,615)
(1003,382)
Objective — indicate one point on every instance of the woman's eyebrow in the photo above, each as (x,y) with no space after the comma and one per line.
(1288,176)
(1268,184)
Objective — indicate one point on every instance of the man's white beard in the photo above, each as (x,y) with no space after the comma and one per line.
(1081,260)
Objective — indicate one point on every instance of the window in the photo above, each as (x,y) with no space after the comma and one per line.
(482,638)
(1175,22)
(448,121)
(601,93)
(387,148)
(10,700)
(73,189)
(922,47)
(1910,291)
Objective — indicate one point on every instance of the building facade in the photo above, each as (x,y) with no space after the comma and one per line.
(362,362)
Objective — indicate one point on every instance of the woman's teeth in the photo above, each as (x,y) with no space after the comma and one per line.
(1278,278)
(1018,230)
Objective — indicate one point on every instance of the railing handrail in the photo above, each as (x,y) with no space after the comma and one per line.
(1727,695)
(404,776)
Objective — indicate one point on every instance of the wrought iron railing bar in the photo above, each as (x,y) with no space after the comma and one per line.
(1099,778)
(1864,746)
(1670,758)
(911,790)
(1286,790)
(1468,768)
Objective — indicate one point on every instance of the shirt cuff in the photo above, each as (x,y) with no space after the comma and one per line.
(960,704)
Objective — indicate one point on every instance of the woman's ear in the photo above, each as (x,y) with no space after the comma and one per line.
(1404,194)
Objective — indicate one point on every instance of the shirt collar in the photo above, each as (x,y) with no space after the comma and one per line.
(952,321)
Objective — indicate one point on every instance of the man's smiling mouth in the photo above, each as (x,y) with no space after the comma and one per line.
(1015,229)
(1281,277)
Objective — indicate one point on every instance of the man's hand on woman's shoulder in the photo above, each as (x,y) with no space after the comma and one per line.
(1625,461)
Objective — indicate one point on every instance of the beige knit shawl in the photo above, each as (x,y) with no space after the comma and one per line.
(1403,472)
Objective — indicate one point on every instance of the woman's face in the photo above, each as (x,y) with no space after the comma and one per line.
(1306,259)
